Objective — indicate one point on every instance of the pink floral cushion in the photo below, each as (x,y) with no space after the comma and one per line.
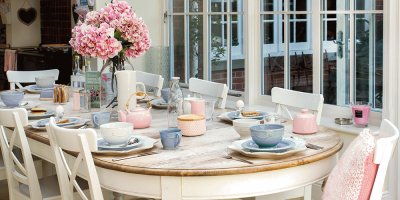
(353,176)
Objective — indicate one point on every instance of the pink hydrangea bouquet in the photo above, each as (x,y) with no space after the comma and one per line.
(112,32)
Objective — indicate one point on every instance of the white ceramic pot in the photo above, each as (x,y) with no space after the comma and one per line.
(242,126)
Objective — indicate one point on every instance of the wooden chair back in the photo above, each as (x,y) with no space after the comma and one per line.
(154,81)
(18,77)
(209,88)
(18,172)
(83,141)
(385,145)
(284,97)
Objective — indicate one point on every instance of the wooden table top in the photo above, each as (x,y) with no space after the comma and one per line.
(201,155)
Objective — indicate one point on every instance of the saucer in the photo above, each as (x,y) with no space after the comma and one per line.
(104,145)
(159,103)
(36,89)
(72,121)
(282,146)
(24,104)
(148,143)
(233,115)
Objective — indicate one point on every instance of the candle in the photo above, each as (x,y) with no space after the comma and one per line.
(361,114)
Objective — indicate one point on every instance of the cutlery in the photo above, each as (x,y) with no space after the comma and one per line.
(135,156)
(313,146)
(132,140)
(237,159)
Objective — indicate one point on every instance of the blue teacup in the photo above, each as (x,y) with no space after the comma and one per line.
(170,138)
(99,118)
(165,94)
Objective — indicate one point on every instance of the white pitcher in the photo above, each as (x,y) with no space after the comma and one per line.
(126,85)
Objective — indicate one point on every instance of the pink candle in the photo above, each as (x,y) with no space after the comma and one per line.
(360,114)
(76,101)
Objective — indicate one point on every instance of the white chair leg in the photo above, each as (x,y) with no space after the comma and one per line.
(307,192)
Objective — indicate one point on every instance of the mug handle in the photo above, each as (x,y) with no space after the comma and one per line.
(141,85)
(96,121)
(179,139)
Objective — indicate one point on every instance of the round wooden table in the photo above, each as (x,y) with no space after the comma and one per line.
(198,169)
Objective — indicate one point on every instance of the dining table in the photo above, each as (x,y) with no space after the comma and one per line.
(199,168)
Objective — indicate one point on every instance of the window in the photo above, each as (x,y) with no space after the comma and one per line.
(212,47)
(347,50)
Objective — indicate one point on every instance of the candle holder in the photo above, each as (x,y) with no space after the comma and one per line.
(360,113)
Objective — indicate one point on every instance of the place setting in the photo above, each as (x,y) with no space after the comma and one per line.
(241,113)
(119,138)
(268,141)
(42,83)
(161,103)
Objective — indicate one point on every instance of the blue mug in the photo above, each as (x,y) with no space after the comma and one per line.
(99,118)
(170,138)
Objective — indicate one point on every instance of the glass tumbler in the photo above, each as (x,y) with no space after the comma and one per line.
(84,101)
(209,109)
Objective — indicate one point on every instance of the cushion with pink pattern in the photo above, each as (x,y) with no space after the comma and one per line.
(354,175)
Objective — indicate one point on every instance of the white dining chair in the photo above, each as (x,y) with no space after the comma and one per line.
(284,97)
(357,171)
(18,77)
(23,182)
(211,89)
(82,141)
(153,81)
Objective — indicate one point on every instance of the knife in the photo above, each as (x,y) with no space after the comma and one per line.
(135,156)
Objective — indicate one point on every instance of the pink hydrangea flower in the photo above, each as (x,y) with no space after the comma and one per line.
(107,32)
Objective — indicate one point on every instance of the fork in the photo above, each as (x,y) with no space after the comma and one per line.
(136,156)
(237,159)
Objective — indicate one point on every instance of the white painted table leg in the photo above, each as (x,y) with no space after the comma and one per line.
(117,196)
(307,192)
(171,188)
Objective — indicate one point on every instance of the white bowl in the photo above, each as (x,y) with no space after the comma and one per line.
(116,132)
(242,126)
(45,81)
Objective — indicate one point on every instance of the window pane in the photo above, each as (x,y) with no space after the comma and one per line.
(218,51)
(178,6)
(236,5)
(300,56)
(272,5)
(335,5)
(298,5)
(368,4)
(195,46)
(195,5)
(237,53)
(368,58)
(218,6)
(336,61)
(273,53)
(179,47)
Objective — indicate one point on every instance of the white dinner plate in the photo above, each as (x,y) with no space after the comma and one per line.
(298,148)
(39,115)
(102,144)
(147,143)
(24,104)
(78,123)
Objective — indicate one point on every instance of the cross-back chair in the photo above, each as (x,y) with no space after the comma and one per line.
(18,77)
(83,141)
(209,88)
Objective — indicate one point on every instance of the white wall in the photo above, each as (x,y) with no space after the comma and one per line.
(19,34)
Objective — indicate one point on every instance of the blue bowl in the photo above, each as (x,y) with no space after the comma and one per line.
(267,135)
(12,98)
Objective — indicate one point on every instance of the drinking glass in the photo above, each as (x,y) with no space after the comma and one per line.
(209,109)
(84,101)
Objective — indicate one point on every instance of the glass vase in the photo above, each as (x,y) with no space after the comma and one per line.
(175,102)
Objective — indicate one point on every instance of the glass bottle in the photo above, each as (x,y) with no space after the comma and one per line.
(76,70)
(175,102)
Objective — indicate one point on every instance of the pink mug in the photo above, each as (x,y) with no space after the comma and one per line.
(198,106)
